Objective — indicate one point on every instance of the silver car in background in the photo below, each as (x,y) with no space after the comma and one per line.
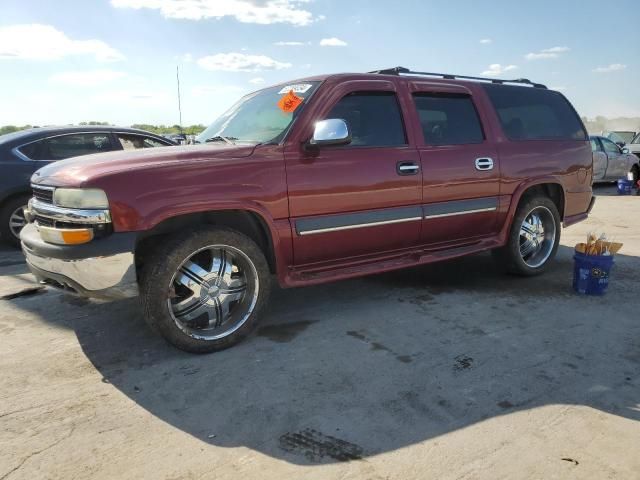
(610,162)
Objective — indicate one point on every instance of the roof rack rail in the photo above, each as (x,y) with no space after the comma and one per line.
(406,71)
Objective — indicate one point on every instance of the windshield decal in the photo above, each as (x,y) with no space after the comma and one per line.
(297,88)
(289,102)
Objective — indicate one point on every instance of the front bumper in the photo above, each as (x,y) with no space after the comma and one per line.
(103,268)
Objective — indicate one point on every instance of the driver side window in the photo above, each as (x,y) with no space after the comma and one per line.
(610,147)
(374,119)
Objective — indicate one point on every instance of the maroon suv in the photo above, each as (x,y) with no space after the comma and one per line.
(316,180)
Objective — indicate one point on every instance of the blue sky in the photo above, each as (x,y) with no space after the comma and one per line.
(114,60)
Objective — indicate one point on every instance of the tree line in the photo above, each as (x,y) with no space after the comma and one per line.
(157,129)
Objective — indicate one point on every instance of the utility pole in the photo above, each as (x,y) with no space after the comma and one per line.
(179,104)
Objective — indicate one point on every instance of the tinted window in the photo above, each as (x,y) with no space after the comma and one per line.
(609,146)
(373,118)
(535,113)
(135,142)
(65,146)
(448,119)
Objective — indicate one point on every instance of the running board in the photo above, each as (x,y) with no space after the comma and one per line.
(316,274)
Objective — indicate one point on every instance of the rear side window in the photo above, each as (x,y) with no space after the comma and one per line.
(65,146)
(535,113)
(374,119)
(448,119)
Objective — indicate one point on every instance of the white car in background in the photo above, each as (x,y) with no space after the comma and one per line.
(610,162)
(634,146)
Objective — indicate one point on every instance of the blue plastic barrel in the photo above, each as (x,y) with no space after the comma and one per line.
(625,187)
(591,273)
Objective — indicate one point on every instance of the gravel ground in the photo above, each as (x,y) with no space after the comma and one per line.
(449,371)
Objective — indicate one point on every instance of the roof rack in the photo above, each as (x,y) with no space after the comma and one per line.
(406,71)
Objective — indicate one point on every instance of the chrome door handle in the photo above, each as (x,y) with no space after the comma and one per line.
(484,163)
(407,168)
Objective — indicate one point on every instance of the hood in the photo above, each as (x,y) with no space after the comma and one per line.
(79,171)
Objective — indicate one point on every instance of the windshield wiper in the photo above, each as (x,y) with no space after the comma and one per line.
(220,138)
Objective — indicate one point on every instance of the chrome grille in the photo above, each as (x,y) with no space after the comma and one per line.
(43,194)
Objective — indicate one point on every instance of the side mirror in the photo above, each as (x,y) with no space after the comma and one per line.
(333,131)
(625,150)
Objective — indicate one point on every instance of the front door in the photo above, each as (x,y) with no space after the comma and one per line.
(617,162)
(362,198)
(461,171)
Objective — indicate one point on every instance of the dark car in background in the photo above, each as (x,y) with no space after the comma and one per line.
(24,152)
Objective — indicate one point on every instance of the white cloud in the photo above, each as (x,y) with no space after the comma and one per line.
(332,42)
(89,78)
(239,62)
(614,67)
(486,41)
(257,81)
(132,97)
(289,44)
(496,69)
(547,53)
(44,42)
(207,90)
(245,11)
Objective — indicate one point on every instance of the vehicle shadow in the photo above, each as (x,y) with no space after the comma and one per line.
(352,369)
(607,190)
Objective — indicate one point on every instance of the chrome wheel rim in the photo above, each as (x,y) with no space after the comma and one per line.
(537,236)
(17,221)
(213,292)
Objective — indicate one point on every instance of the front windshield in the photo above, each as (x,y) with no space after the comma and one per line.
(260,117)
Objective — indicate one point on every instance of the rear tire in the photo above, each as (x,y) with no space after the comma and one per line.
(12,219)
(203,289)
(635,171)
(533,239)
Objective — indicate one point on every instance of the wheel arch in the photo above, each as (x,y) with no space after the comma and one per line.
(550,187)
(250,223)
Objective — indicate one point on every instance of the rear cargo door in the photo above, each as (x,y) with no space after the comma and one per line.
(460,165)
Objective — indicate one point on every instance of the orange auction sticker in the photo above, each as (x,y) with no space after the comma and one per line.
(289,102)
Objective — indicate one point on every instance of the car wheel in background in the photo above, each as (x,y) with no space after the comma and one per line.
(12,219)
(534,238)
(203,289)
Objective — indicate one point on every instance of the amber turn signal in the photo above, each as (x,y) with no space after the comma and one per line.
(66,236)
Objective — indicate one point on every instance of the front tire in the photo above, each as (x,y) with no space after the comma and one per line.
(12,219)
(203,290)
(533,239)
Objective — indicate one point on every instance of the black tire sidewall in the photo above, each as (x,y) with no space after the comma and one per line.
(515,261)
(162,265)
(6,211)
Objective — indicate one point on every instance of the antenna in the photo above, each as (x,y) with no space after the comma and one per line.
(179,103)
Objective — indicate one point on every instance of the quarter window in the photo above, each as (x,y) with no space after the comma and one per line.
(65,146)
(448,119)
(594,145)
(374,119)
(535,114)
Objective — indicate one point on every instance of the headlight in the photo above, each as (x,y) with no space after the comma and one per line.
(80,198)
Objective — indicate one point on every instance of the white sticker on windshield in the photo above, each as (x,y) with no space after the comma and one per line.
(297,88)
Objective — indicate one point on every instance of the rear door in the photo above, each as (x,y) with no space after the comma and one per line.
(354,200)
(461,171)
